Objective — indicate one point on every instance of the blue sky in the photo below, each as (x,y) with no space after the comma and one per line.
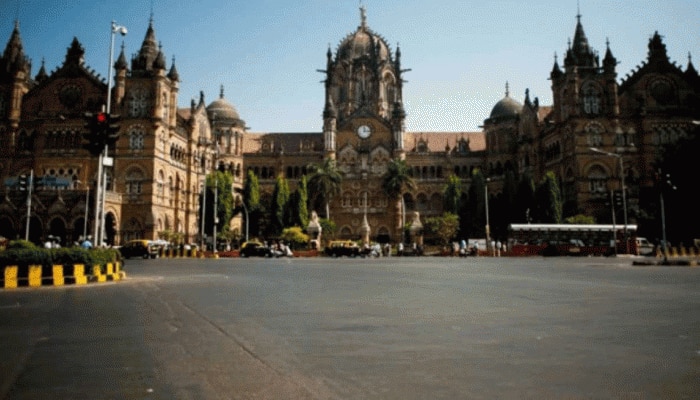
(266,53)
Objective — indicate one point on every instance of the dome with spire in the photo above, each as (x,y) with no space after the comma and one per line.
(223,111)
(506,107)
(363,43)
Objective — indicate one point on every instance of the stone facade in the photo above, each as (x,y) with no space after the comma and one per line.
(164,152)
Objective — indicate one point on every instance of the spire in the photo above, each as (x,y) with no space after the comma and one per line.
(580,53)
(173,74)
(41,75)
(363,17)
(507,90)
(13,59)
(609,62)
(75,54)
(159,62)
(556,71)
(690,67)
(657,50)
(148,52)
(121,60)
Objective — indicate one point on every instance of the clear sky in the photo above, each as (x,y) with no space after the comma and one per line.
(266,53)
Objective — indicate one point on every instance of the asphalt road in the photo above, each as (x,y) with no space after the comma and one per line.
(391,328)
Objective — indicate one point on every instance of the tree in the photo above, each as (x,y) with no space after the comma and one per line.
(324,183)
(580,219)
(222,182)
(397,181)
(251,198)
(298,205)
(452,195)
(549,202)
(477,203)
(444,227)
(294,237)
(524,208)
(280,205)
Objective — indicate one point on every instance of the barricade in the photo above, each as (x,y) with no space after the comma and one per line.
(58,275)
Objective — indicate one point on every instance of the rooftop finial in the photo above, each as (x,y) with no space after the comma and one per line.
(578,10)
(507,90)
(221,92)
(363,15)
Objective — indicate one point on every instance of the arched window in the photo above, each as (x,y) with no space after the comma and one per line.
(591,97)
(134,181)
(136,141)
(597,180)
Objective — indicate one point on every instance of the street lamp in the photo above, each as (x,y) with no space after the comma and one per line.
(622,186)
(101,173)
(204,210)
(246,218)
(486,203)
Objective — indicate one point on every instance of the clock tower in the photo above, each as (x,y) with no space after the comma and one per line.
(363,129)
(363,94)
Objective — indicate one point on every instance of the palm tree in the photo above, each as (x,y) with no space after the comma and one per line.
(324,182)
(396,182)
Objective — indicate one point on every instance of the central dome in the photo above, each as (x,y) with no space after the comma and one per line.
(363,43)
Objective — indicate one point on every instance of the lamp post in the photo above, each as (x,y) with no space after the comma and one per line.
(624,194)
(204,211)
(101,172)
(486,203)
(246,219)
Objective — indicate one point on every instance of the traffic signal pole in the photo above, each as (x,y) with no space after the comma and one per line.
(98,202)
(29,204)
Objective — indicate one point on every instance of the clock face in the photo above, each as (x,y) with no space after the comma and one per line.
(364,131)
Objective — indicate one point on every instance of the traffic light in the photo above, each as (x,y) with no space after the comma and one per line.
(98,131)
(23,182)
(112,131)
(617,198)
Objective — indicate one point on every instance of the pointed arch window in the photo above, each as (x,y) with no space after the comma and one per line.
(591,99)
(136,138)
(597,180)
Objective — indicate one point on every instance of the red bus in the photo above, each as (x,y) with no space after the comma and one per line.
(571,239)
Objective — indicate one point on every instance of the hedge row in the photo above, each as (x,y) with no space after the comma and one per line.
(23,253)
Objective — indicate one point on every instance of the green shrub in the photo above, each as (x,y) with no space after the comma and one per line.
(23,253)
(23,257)
(72,256)
(21,244)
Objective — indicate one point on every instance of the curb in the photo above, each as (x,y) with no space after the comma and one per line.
(58,275)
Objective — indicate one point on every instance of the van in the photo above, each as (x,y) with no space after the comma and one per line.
(644,247)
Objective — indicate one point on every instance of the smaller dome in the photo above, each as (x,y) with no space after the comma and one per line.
(506,107)
(222,110)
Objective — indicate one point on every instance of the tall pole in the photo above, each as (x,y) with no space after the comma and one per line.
(98,201)
(101,171)
(29,204)
(612,205)
(622,187)
(663,225)
(204,209)
(216,193)
(624,204)
(486,202)
(87,209)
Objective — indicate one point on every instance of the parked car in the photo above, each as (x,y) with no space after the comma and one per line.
(255,249)
(139,248)
(644,246)
(339,248)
